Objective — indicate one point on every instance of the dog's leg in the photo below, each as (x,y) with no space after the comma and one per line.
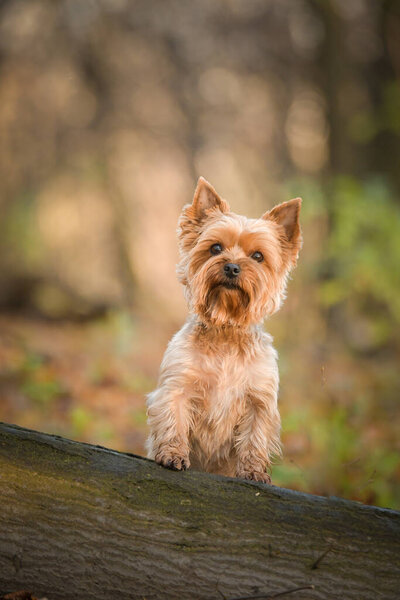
(169,421)
(257,438)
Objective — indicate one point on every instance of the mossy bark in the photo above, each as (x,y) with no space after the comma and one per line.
(83,522)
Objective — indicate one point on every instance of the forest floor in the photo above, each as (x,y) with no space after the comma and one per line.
(88,381)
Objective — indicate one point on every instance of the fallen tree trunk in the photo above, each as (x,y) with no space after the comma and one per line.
(83,522)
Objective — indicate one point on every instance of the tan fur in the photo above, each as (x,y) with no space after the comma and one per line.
(215,407)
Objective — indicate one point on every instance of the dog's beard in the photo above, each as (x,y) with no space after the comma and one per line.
(227,302)
(221,301)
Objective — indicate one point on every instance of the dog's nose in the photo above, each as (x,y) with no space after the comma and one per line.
(231,270)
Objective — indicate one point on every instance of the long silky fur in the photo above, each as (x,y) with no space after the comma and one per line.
(215,407)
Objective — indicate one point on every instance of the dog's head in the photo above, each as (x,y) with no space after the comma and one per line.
(235,269)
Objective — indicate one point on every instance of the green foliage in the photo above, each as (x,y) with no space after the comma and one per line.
(42,392)
(38,383)
(139,417)
(339,460)
(20,238)
(364,246)
(348,428)
(390,110)
(80,417)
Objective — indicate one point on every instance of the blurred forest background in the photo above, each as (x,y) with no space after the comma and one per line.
(109,111)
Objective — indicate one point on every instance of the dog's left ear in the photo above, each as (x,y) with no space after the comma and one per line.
(287,216)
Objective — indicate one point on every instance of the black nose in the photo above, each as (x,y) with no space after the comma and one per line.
(231,270)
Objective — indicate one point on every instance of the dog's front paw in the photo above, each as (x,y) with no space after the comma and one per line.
(254,476)
(173,462)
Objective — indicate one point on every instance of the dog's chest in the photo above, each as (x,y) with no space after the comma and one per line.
(223,383)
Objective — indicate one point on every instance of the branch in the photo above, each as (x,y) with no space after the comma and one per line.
(84,522)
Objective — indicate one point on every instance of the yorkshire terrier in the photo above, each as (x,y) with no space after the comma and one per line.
(215,408)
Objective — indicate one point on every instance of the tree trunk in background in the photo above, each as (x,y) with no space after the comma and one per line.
(80,521)
(384,83)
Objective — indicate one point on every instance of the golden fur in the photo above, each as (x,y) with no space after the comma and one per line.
(215,407)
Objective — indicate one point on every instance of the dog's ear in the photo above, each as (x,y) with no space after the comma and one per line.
(206,200)
(287,216)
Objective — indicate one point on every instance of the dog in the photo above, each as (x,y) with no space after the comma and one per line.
(215,408)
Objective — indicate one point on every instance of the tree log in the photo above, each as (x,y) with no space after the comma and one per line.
(82,522)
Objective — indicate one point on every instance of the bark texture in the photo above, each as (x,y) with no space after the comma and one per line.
(83,522)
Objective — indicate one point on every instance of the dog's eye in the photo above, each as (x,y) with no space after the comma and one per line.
(216,249)
(257,256)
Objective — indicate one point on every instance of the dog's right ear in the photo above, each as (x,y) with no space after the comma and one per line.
(206,203)
(206,200)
